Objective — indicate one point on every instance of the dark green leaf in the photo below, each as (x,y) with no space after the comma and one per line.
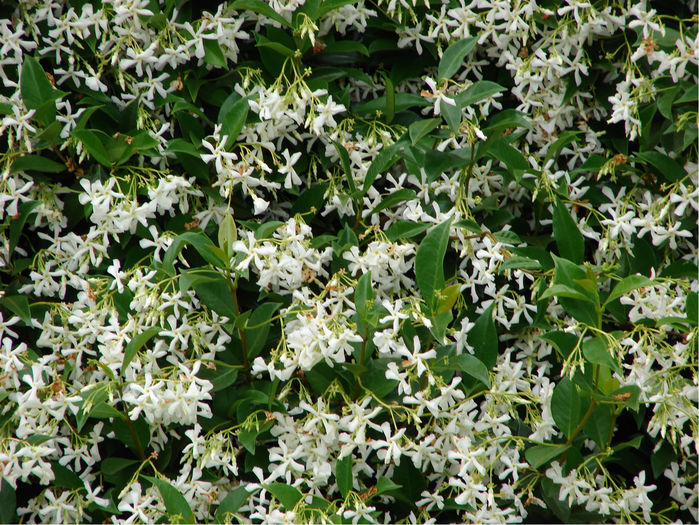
(420,128)
(175,503)
(596,351)
(539,455)
(632,282)
(213,54)
(261,8)
(385,485)
(394,198)
(567,406)
(667,168)
(453,57)
(345,160)
(346,46)
(94,146)
(478,91)
(233,120)
(405,230)
(201,243)
(429,262)
(343,474)
(231,503)
(18,305)
(288,496)
(261,320)
(136,344)
(472,366)
(452,115)
(570,242)
(8,503)
(599,426)
(34,84)
(483,337)
(36,163)
(363,295)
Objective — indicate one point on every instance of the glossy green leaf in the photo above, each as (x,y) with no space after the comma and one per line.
(260,324)
(478,91)
(136,344)
(561,290)
(346,46)
(453,57)
(227,234)
(627,284)
(383,160)
(17,225)
(567,406)
(452,115)
(483,337)
(345,160)
(539,455)
(233,120)
(8,502)
(35,87)
(261,8)
(472,366)
(18,305)
(599,426)
(176,505)
(213,54)
(385,485)
(596,351)
(667,168)
(405,230)
(363,295)
(429,262)
(231,503)
(420,128)
(343,474)
(288,496)
(90,139)
(36,163)
(394,198)
(201,243)
(570,242)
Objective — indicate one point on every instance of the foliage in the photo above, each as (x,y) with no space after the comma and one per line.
(340,261)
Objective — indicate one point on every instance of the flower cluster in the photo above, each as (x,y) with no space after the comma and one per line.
(385,260)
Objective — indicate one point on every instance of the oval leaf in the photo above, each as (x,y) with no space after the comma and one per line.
(429,262)
(453,57)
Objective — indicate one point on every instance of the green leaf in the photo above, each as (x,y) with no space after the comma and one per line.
(346,46)
(94,146)
(483,337)
(345,160)
(201,243)
(667,168)
(513,159)
(385,485)
(403,101)
(472,366)
(261,8)
(478,91)
(8,503)
(599,426)
(231,503)
(343,474)
(632,282)
(233,120)
(136,344)
(175,503)
(363,295)
(18,305)
(36,163)
(566,138)
(263,41)
(420,128)
(227,234)
(394,198)
(213,54)
(17,225)
(524,263)
(539,455)
(288,496)
(507,119)
(570,242)
(383,160)
(561,290)
(405,230)
(567,406)
(256,337)
(447,298)
(596,351)
(390,109)
(452,115)
(453,57)
(35,87)
(692,308)
(429,262)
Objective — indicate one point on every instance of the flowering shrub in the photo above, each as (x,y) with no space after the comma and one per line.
(332,261)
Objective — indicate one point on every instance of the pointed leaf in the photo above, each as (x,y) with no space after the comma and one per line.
(632,282)
(231,503)
(287,495)
(175,503)
(420,128)
(567,406)
(539,455)
(483,337)
(429,262)
(136,344)
(570,242)
(453,58)
(343,474)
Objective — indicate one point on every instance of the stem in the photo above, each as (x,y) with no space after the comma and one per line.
(362,356)
(241,333)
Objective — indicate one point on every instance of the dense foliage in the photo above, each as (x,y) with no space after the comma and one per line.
(333,261)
